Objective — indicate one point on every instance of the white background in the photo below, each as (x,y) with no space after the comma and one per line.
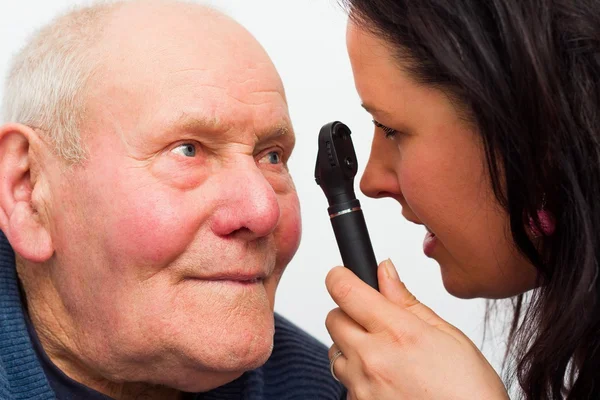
(306,40)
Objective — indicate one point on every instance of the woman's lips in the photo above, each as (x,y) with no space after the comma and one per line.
(429,243)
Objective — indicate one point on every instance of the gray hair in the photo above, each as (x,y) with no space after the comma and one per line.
(45,84)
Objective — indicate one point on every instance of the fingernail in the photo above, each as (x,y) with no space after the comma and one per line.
(391,270)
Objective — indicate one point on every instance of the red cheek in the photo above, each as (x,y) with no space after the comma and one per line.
(151,230)
(289,230)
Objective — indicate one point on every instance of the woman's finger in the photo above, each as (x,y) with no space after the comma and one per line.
(395,291)
(332,350)
(346,334)
(392,287)
(361,302)
(338,363)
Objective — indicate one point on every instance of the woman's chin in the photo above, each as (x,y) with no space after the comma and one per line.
(464,289)
(460,291)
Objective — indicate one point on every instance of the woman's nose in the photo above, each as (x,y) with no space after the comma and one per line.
(380,178)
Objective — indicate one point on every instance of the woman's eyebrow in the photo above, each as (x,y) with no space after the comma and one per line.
(373,110)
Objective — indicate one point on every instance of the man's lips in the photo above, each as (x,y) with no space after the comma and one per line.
(232,269)
(239,277)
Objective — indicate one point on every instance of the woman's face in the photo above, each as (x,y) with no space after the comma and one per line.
(432,162)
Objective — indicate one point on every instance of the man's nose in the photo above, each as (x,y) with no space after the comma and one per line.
(380,178)
(248,205)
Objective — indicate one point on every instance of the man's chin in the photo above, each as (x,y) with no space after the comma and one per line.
(206,382)
(242,346)
(245,355)
(194,382)
(208,337)
(198,381)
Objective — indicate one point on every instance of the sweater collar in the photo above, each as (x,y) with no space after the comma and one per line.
(18,361)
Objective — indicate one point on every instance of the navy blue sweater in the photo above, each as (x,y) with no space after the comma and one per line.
(297,369)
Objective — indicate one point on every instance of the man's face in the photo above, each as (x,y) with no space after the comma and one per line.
(171,239)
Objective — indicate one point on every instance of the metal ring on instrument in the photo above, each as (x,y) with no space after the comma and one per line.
(347,211)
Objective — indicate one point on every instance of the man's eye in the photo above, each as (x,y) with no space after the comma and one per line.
(272,157)
(186,150)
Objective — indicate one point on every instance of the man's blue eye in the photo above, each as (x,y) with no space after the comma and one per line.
(186,149)
(274,157)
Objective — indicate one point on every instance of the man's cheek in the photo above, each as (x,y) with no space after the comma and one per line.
(152,231)
(289,231)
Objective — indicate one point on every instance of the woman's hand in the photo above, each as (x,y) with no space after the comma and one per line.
(393,347)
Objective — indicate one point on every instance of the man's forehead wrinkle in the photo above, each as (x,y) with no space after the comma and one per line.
(228,90)
(227,86)
(244,102)
(192,69)
(249,80)
(258,103)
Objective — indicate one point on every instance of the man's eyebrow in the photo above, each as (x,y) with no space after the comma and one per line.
(276,132)
(281,133)
(192,123)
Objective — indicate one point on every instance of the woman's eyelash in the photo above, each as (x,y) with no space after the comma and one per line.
(389,132)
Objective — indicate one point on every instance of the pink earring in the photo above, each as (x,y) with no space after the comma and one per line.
(547,224)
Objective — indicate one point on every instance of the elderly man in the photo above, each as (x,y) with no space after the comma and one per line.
(147,200)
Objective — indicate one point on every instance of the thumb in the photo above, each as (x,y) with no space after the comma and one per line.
(395,291)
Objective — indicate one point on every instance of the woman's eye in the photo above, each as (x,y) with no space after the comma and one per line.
(186,150)
(390,133)
(272,157)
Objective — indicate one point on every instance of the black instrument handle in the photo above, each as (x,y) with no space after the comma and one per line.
(354,242)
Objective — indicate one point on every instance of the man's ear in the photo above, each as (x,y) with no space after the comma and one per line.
(19,220)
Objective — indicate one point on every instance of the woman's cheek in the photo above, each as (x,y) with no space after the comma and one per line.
(413,181)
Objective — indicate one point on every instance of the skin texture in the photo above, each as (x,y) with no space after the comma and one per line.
(434,166)
(133,262)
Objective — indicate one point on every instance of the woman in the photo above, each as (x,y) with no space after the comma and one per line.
(487,131)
